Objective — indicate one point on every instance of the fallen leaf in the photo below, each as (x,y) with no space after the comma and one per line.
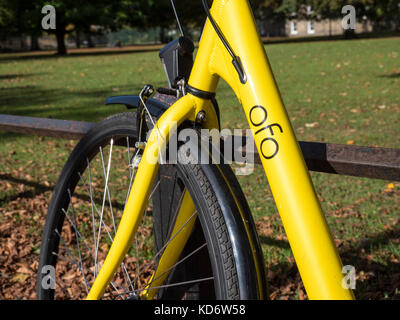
(312,125)
(20,277)
(23,269)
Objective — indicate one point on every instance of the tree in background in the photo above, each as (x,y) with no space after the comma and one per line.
(22,17)
(79,16)
(385,14)
(159,13)
(16,19)
(6,16)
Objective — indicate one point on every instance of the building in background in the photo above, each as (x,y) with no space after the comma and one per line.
(326,27)
(308,25)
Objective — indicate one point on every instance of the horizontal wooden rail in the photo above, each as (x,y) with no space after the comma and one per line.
(45,127)
(369,162)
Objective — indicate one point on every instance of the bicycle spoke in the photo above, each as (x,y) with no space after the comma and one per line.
(77,241)
(104,197)
(74,262)
(107,189)
(176,264)
(79,264)
(173,284)
(89,190)
(77,231)
(172,238)
(98,214)
(92,204)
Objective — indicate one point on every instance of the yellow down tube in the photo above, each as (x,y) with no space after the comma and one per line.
(315,253)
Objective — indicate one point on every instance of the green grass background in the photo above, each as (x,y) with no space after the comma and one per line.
(334,91)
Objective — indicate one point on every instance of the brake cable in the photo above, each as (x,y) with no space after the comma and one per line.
(235,59)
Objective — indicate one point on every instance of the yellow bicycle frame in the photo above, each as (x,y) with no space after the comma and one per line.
(316,256)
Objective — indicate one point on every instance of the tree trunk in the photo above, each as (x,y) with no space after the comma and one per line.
(61,49)
(34,43)
(78,39)
(162,35)
(89,40)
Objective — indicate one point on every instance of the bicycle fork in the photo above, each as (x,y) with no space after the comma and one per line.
(185,108)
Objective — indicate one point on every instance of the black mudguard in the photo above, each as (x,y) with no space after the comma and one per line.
(155,107)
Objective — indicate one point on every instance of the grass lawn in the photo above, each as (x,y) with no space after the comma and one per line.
(335,91)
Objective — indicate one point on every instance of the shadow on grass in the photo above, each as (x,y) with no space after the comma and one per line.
(5,58)
(381,278)
(35,101)
(391,75)
(273,242)
(378,280)
(16,76)
(38,189)
(59,103)
(41,188)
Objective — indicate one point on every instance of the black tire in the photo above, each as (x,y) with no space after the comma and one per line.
(63,229)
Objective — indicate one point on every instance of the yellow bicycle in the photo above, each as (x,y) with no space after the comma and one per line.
(127,222)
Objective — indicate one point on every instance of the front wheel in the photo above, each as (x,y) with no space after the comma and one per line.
(85,210)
